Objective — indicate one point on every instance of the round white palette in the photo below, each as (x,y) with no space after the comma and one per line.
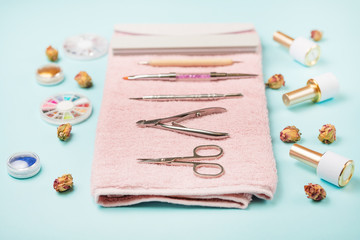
(85,46)
(63,108)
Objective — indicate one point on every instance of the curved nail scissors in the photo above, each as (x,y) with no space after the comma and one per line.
(191,160)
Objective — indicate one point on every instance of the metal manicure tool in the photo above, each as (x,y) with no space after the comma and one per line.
(193,62)
(176,127)
(189,97)
(196,165)
(210,76)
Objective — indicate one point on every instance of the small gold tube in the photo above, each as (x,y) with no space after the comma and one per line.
(310,92)
(283,39)
(305,155)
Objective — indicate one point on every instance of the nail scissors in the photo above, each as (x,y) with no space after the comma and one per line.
(176,127)
(191,160)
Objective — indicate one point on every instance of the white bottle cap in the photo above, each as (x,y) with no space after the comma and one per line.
(335,169)
(328,84)
(299,49)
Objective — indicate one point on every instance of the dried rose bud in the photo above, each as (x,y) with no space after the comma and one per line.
(51,53)
(64,183)
(83,79)
(316,35)
(315,192)
(327,134)
(290,134)
(276,81)
(63,131)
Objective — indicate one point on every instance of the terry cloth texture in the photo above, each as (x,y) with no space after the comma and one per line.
(119,180)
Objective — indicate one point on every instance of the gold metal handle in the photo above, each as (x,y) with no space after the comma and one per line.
(305,155)
(283,39)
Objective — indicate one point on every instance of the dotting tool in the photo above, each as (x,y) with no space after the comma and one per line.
(301,49)
(317,89)
(209,76)
(330,166)
(189,62)
(189,97)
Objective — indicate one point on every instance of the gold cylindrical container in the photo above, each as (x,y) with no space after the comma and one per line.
(301,49)
(305,155)
(310,92)
(283,39)
(330,166)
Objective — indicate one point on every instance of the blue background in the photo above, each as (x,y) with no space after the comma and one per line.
(31,209)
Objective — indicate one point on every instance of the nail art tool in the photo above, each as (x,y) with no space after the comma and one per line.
(191,160)
(23,165)
(330,166)
(317,89)
(212,76)
(85,46)
(188,97)
(301,49)
(176,127)
(66,108)
(49,74)
(189,62)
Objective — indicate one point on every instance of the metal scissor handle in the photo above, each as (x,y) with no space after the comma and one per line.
(207,147)
(198,165)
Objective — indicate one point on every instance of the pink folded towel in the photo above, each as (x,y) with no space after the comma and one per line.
(119,180)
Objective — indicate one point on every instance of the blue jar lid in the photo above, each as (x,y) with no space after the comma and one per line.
(23,165)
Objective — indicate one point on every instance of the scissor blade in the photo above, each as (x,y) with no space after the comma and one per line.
(155,160)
